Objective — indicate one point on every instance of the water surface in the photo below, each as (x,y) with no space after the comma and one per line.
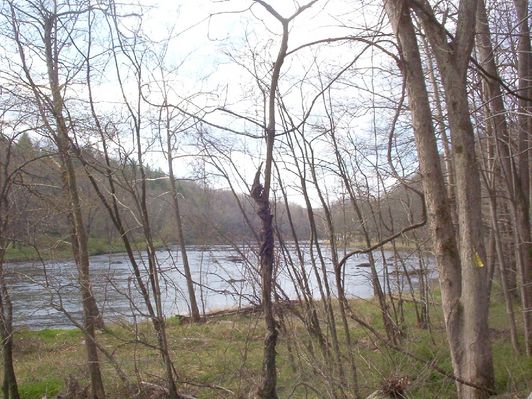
(224,278)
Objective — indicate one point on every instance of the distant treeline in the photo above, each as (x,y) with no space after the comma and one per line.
(209,215)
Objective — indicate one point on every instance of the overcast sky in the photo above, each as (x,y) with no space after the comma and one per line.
(210,46)
(213,43)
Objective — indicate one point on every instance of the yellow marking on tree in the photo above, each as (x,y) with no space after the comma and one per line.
(478,260)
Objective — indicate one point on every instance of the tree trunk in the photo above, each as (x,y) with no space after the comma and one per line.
(503,275)
(453,59)
(268,387)
(478,366)
(261,194)
(524,251)
(158,320)
(342,300)
(80,248)
(501,139)
(461,273)
(194,310)
(9,385)
(389,326)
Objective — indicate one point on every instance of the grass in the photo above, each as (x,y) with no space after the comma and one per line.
(36,390)
(227,351)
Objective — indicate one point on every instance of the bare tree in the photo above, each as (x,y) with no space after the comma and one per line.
(166,120)
(50,21)
(261,195)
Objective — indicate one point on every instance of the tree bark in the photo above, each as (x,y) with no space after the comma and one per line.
(194,310)
(462,276)
(453,59)
(268,386)
(9,384)
(503,275)
(501,139)
(524,250)
(59,131)
(80,248)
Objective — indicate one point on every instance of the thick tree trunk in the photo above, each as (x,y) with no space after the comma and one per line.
(438,209)
(461,273)
(477,366)
(441,129)
(453,59)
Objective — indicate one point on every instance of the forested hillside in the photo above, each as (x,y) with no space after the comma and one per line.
(210,215)
(39,219)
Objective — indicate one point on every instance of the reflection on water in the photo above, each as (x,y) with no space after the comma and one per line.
(225,278)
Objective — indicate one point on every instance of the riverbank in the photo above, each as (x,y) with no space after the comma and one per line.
(221,357)
(57,249)
(61,250)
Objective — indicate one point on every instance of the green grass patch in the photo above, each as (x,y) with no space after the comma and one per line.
(54,335)
(39,389)
(20,254)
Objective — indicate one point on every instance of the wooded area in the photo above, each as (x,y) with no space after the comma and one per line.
(310,135)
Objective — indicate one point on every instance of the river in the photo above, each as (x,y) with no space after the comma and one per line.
(225,278)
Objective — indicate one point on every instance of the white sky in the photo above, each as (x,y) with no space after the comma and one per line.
(210,38)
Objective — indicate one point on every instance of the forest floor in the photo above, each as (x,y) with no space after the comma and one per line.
(221,357)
